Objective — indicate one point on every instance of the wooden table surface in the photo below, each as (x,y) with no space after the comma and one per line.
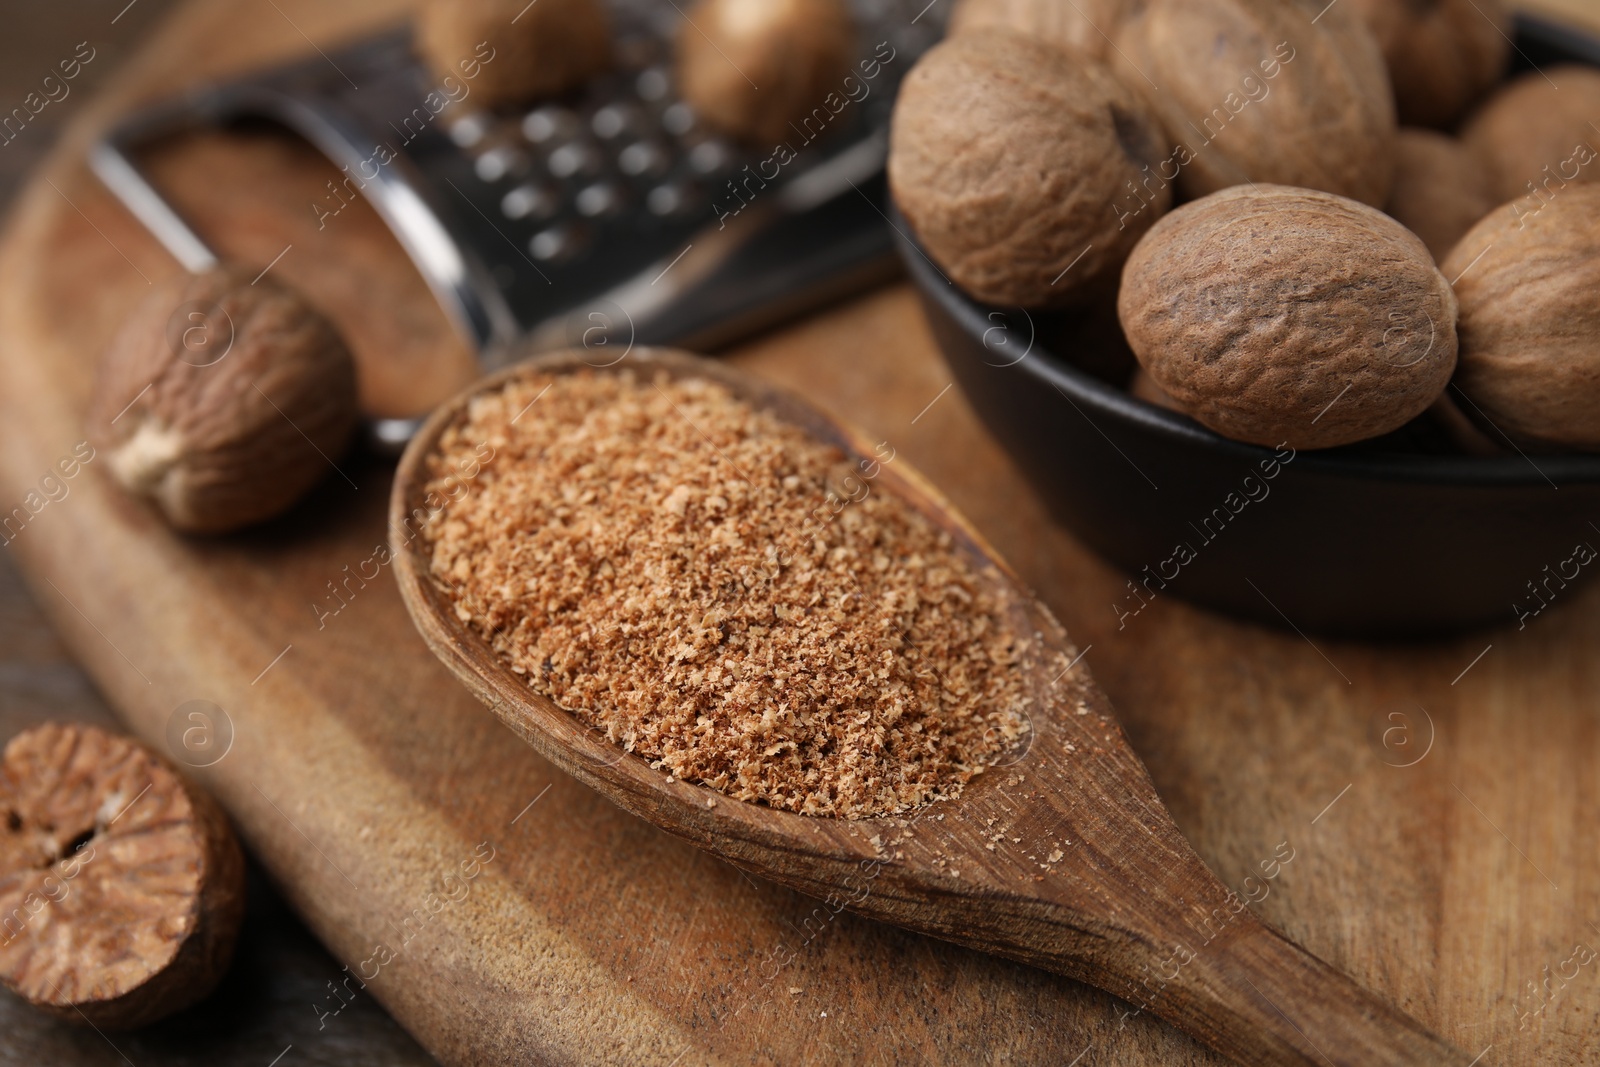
(280,970)
(1456,885)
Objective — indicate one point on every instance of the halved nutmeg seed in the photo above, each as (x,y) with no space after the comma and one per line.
(121,884)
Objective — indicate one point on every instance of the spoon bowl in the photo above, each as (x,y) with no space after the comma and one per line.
(1061,856)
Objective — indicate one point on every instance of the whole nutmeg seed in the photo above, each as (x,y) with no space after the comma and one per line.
(515,51)
(1292,92)
(1027,177)
(1440,189)
(121,884)
(767,70)
(223,401)
(1530,321)
(1083,27)
(1442,54)
(1537,135)
(1277,315)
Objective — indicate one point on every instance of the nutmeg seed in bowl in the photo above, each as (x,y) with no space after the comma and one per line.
(1403,536)
(1366,542)
(1292,92)
(1023,172)
(1529,286)
(1442,55)
(1441,189)
(1277,315)
(1536,134)
(1083,27)
(1144,387)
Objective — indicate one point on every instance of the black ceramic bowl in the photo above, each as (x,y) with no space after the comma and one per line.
(1378,540)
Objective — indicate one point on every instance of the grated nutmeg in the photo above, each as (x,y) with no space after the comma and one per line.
(718,592)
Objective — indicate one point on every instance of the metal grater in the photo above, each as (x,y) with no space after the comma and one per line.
(608,217)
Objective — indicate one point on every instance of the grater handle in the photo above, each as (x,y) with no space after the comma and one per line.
(467,300)
(113,167)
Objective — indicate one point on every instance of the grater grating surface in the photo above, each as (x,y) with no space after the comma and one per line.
(608,217)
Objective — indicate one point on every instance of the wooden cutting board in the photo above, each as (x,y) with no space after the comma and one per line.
(1439,801)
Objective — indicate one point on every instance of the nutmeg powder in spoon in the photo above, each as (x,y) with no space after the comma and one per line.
(720,593)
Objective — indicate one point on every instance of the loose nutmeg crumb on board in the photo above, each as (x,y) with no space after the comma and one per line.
(725,596)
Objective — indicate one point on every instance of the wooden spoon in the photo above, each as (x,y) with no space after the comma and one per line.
(1062,857)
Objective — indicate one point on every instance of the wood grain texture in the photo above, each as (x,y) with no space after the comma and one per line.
(362,775)
(278,967)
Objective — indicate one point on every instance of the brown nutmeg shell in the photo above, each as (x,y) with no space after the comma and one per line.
(223,401)
(1027,178)
(121,884)
(1082,27)
(1537,134)
(516,51)
(1278,315)
(1530,321)
(767,71)
(1263,91)
(1442,55)
(1441,189)
(1143,387)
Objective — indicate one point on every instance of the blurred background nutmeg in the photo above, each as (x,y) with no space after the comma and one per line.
(1538,133)
(1442,55)
(755,68)
(1441,189)
(1083,27)
(519,51)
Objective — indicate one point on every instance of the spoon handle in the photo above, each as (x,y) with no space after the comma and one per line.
(1260,999)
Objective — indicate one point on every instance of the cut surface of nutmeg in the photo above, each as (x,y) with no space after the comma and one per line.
(1442,55)
(767,70)
(511,51)
(1083,27)
(1286,91)
(1027,176)
(222,401)
(1530,321)
(1276,315)
(121,885)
